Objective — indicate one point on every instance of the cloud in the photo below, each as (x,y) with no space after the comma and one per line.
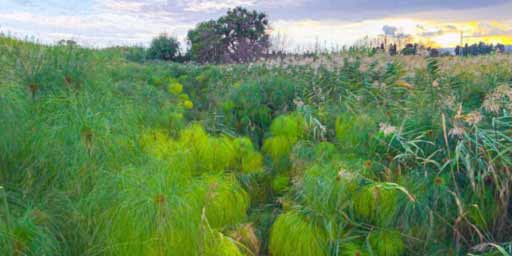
(95,29)
(304,22)
(389,30)
(469,29)
(215,5)
(358,10)
(491,29)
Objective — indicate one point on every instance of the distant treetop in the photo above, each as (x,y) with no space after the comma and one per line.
(238,37)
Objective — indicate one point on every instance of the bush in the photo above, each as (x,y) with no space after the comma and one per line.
(135,54)
(292,234)
(387,243)
(164,48)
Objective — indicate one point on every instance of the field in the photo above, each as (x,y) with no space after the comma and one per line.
(348,153)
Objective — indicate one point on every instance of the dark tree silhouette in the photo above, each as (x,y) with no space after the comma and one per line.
(393,49)
(478,49)
(238,37)
(164,47)
(410,49)
(206,43)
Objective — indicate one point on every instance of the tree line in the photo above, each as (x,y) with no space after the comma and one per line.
(478,49)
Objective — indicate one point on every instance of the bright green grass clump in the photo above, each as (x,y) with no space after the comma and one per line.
(202,153)
(286,131)
(291,126)
(327,188)
(326,151)
(248,159)
(387,243)
(169,212)
(221,245)
(352,132)
(278,147)
(376,204)
(28,235)
(280,183)
(293,234)
(352,249)
(226,203)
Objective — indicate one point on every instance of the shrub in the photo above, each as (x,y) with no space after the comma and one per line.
(387,243)
(327,188)
(226,203)
(293,234)
(28,235)
(376,204)
(157,210)
(352,249)
(353,133)
(201,153)
(164,48)
(248,159)
(286,130)
(135,54)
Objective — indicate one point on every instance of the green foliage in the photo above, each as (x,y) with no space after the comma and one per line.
(354,153)
(286,131)
(248,159)
(28,234)
(376,204)
(164,47)
(280,183)
(171,212)
(290,126)
(352,249)
(327,188)
(226,203)
(255,103)
(293,234)
(278,147)
(353,132)
(201,153)
(240,36)
(135,54)
(221,245)
(387,243)
(326,151)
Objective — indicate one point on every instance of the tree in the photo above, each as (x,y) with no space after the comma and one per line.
(67,42)
(433,52)
(135,53)
(392,49)
(164,47)
(205,42)
(478,49)
(458,50)
(500,48)
(410,49)
(238,37)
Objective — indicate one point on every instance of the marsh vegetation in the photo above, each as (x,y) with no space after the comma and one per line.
(349,153)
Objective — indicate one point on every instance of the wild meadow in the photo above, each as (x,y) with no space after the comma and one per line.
(349,153)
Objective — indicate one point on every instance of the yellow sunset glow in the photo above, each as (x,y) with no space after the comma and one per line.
(469,32)
(502,39)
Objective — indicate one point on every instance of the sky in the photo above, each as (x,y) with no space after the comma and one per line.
(299,24)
